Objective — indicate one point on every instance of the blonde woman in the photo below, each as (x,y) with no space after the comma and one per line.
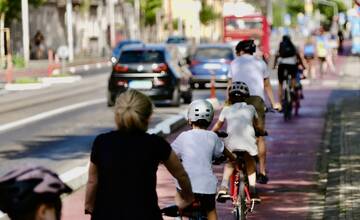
(122,172)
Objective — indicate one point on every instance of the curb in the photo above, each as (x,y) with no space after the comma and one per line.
(45,82)
(77,177)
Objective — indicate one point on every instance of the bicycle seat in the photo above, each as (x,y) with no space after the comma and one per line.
(240,154)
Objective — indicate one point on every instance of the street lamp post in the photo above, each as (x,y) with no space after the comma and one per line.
(70,29)
(25,28)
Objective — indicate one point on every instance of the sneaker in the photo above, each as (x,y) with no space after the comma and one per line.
(223,195)
(262,179)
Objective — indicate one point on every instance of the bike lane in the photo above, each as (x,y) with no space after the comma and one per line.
(292,149)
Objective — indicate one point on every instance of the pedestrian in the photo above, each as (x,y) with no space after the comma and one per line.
(340,35)
(123,165)
(32,193)
(309,54)
(254,72)
(196,148)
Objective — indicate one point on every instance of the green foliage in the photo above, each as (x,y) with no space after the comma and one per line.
(18,61)
(328,11)
(149,8)
(294,7)
(207,14)
(12,8)
(85,6)
(25,80)
(277,15)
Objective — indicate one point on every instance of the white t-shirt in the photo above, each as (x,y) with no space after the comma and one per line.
(250,70)
(196,148)
(288,60)
(241,133)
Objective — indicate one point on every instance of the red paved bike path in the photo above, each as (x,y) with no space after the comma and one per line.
(292,152)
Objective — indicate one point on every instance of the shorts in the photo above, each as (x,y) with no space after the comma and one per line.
(322,59)
(289,68)
(259,105)
(309,57)
(207,201)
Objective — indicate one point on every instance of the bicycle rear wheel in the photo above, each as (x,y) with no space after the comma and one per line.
(240,206)
(287,105)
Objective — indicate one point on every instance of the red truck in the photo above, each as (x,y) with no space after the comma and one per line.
(256,27)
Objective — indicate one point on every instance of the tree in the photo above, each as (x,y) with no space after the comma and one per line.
(207,14)
(148,8)
(11,9)
(294,7)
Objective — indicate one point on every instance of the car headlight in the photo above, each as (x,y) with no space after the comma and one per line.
(113,60)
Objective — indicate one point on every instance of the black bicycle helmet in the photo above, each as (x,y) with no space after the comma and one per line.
(239,89)
(248,46)
(21,190)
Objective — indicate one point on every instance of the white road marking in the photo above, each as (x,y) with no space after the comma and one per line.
(49,114)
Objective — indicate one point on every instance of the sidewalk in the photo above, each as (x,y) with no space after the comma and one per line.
(341,168)
(39,68)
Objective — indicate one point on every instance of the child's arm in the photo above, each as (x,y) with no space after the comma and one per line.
(218,125)
(257,126)
(228,154)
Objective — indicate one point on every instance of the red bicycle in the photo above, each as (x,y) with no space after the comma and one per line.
(239,188)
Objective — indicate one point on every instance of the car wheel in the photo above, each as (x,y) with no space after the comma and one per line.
(187,96)
(176,97)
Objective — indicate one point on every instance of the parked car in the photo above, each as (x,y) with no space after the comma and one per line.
(156,70)
(119,46)
(181,43)
(210,59)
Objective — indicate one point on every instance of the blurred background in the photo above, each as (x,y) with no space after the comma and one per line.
(92,28)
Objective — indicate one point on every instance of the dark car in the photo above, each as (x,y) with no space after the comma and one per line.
(117,49)
(210,59)
(156,70)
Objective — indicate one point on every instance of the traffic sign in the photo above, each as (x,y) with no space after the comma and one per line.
(63,52)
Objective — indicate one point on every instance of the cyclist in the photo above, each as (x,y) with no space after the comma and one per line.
(122,172)
(196,148)
(241,119)
(254,72)
(32,193)
(288,59)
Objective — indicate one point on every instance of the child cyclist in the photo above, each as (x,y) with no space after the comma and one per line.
(196,148)
(241,119)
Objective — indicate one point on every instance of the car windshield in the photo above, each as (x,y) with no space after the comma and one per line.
(176,40)
(214,53)
(142,56)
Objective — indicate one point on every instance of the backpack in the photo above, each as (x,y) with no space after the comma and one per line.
(309,50)
(287,50)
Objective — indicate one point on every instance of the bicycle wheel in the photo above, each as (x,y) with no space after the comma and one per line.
(240,206)
(296,101)
(287,104)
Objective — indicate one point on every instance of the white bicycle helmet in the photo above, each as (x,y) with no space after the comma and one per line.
(200,109)
(239,89)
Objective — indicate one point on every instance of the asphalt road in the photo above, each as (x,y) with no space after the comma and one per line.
(55,126)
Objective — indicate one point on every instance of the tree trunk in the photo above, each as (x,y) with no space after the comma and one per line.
(2,41)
